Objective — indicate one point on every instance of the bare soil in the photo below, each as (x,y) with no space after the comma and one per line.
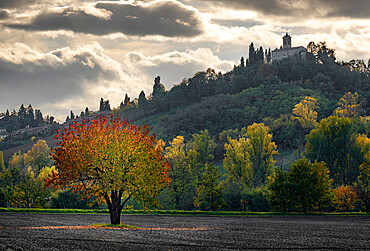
(25,231)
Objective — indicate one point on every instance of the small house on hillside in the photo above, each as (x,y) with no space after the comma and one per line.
(3,133)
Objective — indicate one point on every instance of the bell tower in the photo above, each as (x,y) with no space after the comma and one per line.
(287,41)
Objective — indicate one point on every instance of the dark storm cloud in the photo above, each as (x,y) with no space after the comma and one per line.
(28,76)
(166,18)
(9,4)
(303,8)
(3,14)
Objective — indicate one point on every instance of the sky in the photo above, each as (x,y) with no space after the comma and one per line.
(63,55)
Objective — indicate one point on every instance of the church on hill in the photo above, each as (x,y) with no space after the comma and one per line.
(287,50)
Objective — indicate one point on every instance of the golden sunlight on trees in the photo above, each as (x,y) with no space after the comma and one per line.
(182,184)
(305,112)
(348,105)
(200,153)
(236,163)
(110,160)
(335,143)
(306,116)
(362,186)
(38,157)
(261,151)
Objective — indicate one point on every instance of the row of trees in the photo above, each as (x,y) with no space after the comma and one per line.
(333,154)
(335,162)
(25,117)
(22,182)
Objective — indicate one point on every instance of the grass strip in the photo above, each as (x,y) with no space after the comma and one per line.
(173,212)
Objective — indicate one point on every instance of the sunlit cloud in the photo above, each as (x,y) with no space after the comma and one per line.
(166,18)
(62,55)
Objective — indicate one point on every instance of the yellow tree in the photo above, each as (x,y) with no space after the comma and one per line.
(182,186)
(362,186)
(38,157)
(323,186)
(348,105)
(261,150)
(236,162)
(304,112)
(111,160)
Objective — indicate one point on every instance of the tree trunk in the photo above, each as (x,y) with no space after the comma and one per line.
(114,206)
(115,214)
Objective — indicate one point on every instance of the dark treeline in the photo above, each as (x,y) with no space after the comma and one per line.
(25,117)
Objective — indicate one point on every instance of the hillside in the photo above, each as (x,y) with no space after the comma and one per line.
(258,92)
(251,92)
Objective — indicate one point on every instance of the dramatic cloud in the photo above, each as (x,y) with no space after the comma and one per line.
(167,18)
(57,80)
(15,3)
(62,55)
(71,79)
(303,8)
(175,66)
(3,14)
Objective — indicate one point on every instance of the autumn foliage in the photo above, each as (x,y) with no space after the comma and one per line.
(112,161)
(345,198)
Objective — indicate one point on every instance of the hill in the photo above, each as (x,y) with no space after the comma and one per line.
(256,92)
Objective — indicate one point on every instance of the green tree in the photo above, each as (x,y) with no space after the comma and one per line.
(209,193)
(334,142)
(2,166)
(280,191)
(30,117)
(158,88)
(304,187)
(38,118)
(158,95)
(303,180)
(126,100)
(17,160)
(22,117)
(30,191)
(200,153)
(39,156)
(323,189)
(181,190)
(261,150)
(69,199)
(142,102)
(362,186)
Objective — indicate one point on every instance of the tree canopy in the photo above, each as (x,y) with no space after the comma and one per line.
(111,160)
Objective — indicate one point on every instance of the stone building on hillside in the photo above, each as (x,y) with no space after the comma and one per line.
(287,50)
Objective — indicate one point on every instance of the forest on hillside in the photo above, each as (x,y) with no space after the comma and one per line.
(291,135)
(253,91)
